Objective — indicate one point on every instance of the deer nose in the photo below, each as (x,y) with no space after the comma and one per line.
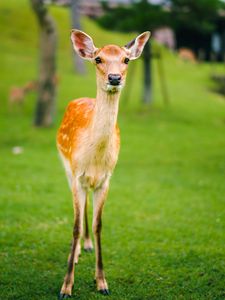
(114,79)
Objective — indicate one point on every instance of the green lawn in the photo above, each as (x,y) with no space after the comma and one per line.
(163,224)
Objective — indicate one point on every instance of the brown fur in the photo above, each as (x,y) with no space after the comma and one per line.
(88,141)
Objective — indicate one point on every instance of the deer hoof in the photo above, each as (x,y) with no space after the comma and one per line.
(64,296)
(104,292)
(88,246)
(89,249)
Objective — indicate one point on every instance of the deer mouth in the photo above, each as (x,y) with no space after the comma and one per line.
(110,88)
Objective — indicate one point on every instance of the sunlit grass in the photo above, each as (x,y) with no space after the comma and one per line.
(163,225)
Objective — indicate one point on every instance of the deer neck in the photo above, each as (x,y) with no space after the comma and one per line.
(105,115)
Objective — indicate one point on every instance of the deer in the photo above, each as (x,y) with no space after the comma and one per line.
(88,142)
(187,55)
(17,94)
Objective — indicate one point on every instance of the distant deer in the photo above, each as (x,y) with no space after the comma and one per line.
(17,94)
(187,55)
(88,142)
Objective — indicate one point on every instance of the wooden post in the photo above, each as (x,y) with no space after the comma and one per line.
(147,92)
(129,82)
(162,78)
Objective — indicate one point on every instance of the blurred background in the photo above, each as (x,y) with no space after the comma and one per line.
(163,232)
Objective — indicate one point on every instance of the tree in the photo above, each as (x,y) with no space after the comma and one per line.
(139,16)
(195,15)
(194,23)
(46,84)
(75,16)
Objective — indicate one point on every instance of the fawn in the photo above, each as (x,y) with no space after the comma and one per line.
(88,142)
(17,94)
(187,55)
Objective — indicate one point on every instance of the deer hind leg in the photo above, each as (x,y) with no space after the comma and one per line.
(79,197)
(88,246)
(99,198)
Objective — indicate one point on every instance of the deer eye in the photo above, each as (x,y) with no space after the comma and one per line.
(126,60)
(98,60)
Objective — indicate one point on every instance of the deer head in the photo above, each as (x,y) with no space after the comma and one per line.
(111,61)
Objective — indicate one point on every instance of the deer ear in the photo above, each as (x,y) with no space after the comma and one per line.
(83,44)
(136,46)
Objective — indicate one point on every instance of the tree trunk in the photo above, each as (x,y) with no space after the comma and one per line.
(45,107)
(147,95)
(75,15)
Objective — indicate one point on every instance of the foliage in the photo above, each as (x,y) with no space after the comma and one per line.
(163,224)
(140,16)
(199,16)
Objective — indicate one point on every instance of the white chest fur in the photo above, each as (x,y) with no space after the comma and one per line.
(96,163)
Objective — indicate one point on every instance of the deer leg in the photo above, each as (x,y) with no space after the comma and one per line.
(79,197)
(88,246)
(99,198)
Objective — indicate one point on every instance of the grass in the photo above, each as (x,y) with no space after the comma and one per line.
(163,224)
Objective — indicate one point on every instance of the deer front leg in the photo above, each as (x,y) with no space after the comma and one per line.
(99,198)
(88,246)
(79,197)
